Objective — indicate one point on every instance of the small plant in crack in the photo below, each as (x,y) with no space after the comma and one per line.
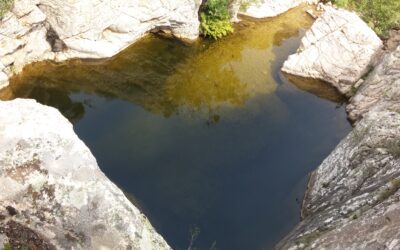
(359,134)
(393,148)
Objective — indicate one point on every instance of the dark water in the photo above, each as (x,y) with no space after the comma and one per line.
(209,136)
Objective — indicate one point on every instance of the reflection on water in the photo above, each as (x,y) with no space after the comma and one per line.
(166,77)
(316,87)
(209,135)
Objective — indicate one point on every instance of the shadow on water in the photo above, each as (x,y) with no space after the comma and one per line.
(209,135)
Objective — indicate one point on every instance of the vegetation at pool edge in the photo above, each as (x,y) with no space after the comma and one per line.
(215,19)
(380,15)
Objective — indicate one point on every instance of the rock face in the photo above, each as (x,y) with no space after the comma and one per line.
(380,91)
(353,198)
(271,8)
(339,48)
(264,8)
(53,194)
(37,30)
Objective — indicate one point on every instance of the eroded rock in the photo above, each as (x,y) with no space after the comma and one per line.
(339,48)
(353,198)
(52,190)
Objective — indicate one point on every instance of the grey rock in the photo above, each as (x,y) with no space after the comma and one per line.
(264,8)
(353,198)
(52,189)
(339,48)
(381,89)
(271,8)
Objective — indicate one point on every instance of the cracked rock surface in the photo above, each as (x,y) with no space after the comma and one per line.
(53,194)
(339,48)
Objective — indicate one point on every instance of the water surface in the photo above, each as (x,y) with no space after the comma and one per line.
(208,136)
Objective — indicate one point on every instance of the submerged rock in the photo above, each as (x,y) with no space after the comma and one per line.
(52,192)
(380,91)
(36,30)
(353,198)
(339,48)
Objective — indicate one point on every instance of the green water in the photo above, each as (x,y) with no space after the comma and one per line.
(209,135)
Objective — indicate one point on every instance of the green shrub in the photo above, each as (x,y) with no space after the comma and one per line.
(342,3)
(215,19)
(5,6)
(381,15)
(6,247)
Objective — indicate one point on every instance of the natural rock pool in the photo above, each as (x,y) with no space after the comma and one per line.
(208,136)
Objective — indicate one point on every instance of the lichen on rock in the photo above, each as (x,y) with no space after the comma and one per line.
(381,89)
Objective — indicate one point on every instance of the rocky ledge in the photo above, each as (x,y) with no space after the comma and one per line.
(53,194)
(353,197)
(36,30)
(339,48)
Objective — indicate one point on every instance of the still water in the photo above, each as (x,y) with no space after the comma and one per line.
(207,137)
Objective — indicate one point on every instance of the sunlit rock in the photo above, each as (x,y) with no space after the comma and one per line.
(53,194)
(36,30)
(380,91)
(339,48)
(263,8)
